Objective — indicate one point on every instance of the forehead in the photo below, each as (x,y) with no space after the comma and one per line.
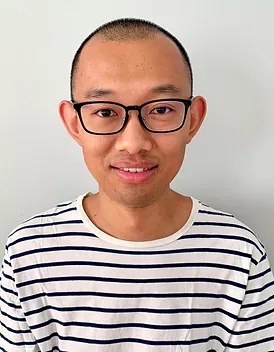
(130,67)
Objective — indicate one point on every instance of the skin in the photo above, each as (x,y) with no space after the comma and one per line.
(131,71)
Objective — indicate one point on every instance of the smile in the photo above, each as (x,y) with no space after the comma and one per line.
(133,169)
(134,174)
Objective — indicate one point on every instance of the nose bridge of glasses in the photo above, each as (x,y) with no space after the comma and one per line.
(133,107)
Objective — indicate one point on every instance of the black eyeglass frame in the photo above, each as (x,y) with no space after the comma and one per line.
(77,107)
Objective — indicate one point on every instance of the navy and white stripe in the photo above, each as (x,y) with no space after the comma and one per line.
(66,286)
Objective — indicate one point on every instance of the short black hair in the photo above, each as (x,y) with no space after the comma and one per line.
(128,29)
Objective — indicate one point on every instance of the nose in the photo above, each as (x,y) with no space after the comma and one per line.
(134,138)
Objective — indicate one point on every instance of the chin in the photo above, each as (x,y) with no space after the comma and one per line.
(135,198)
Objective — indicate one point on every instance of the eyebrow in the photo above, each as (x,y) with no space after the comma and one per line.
(98,93)
(161,89)
(167,88)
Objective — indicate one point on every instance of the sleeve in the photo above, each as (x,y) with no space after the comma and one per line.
(15,334)
(254,329)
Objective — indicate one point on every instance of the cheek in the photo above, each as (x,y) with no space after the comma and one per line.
(176,157)
(173,152)
(95,149)
(173,145)
(97,145)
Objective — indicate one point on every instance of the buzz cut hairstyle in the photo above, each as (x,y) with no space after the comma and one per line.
(125,29)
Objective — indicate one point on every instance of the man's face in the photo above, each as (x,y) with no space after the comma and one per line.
(131,73)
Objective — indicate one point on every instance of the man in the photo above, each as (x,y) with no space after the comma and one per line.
(137,266)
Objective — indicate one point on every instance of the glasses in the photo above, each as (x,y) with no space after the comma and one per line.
(158,116)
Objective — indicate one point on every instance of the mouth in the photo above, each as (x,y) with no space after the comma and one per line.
(135,174)
(134,169)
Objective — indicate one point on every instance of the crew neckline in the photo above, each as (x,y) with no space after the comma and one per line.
(135,244)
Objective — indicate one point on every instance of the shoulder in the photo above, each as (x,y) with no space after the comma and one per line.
(227,231)
(45,223)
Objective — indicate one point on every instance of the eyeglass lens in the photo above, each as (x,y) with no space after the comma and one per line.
(109,117)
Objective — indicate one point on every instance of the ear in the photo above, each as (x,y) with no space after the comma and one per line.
(70,120)
(196,117)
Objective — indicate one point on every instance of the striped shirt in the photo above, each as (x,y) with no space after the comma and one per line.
(66,286)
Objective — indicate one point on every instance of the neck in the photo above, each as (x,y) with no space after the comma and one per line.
(159,219)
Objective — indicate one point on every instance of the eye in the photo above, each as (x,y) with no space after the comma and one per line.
(161,110)
(106,113)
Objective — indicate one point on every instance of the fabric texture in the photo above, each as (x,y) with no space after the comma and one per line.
(66,286)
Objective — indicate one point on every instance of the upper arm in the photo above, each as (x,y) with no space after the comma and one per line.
(254,329)
(15,334)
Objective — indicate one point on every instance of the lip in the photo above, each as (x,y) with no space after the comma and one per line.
(128,165)
(135,177)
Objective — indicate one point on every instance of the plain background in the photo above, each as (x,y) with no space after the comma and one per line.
(229,165)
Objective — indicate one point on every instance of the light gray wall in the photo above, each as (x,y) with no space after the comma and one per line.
(230,163)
